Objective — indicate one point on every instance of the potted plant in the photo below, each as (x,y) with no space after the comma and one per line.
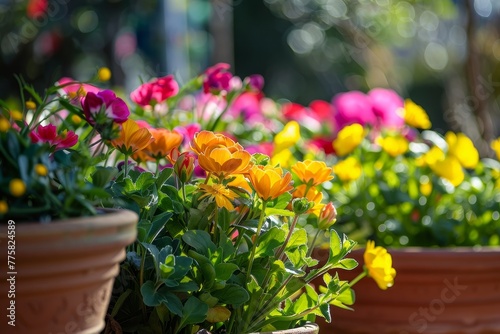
(427,196)
(60,250)
(223,241)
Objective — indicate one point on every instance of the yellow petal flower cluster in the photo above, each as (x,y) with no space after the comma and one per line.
(415,115)
(349,169)
(378,263)
(495,146)
(461,147)
(132,138)
(394,145)
(220,193)
(348,139)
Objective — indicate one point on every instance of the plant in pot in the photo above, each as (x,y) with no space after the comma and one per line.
(427,196)
(224,236)
(60,250)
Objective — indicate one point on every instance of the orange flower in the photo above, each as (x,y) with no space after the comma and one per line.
(313,195)
(164,141)
(269,182)
(205,139)
(220,193)
(220,155)
(132,138)
(312,172)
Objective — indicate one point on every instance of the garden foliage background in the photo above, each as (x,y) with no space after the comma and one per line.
(442,54)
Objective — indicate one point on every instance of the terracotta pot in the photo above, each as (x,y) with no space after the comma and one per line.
(306,329)
(435,291)
(62,272)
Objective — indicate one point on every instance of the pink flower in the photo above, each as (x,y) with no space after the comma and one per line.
(247,106)
(263,148)
(104,106)
(353,107)
(321,143)
(386,104)
(48,134)
(156,91)
(217,79)
(296,112)
(76,90)
(188,132)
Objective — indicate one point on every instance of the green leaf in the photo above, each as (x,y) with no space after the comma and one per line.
(298,238)
(103,175)
(335,247)
(325,312)
(279,212)
(149,294)
(232,294)
(200,241)
(163,177)
(158,224)
(269,241)
(171,301)
(223,271)
(182,266)
(193,312)
(347,264)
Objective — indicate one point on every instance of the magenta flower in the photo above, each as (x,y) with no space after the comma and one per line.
(386,105)
(217,79)
(248,107)
(104,106)
(255,82)
(353,107)
(48,134)
(156,91)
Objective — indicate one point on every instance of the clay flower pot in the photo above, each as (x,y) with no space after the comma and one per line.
(62,272)
(435,291)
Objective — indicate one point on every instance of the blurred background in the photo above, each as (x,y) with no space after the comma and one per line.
(444,54)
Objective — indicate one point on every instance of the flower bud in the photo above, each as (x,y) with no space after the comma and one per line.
(17,187)
(30,105)
(184,166)
(104,74)
(4,207)
(301,205)
(41,170)
(327,216)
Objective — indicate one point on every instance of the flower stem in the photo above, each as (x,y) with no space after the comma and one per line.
(254,246)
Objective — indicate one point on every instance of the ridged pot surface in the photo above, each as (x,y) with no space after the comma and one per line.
(435,291)
(62,272)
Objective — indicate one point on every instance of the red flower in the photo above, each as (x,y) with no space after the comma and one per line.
(36,8)
(48,134)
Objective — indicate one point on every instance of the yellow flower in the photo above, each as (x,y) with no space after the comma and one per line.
(312,172)
(461,147)
(220,193)
(41,170)
(30,105)
(450,169)
(269,182)
(76,119)
(287,137)
(415,115)
(17,187)
(495,146)
(313,195)
(239,181)
(348,170)
(4,207)
(378,263)
(348,139)
(395,145)
(104,74)
(425,186)
(4,125)
(430,157)
(132,138)
(284,158)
